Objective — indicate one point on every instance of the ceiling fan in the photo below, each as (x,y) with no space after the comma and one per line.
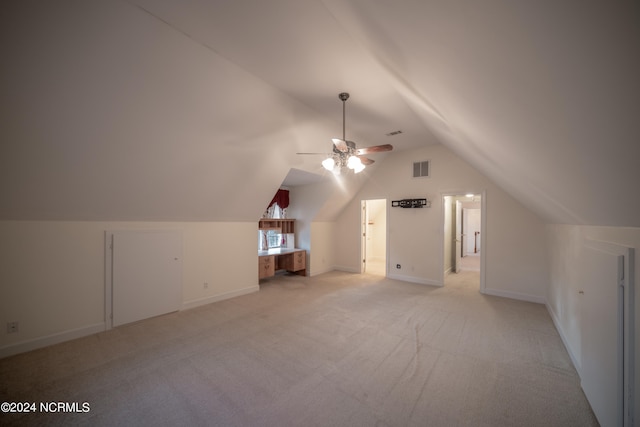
(345,153)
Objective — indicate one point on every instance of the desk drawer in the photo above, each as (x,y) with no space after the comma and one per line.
(266,266)
(299,260)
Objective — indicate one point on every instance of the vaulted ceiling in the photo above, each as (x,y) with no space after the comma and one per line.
(188,109)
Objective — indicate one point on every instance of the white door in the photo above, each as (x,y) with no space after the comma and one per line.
(147,274)
(458,235)
(606,351)
(363,234)
(471,228)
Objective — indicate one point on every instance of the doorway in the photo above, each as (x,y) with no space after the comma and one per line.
(374,237)
(463,236)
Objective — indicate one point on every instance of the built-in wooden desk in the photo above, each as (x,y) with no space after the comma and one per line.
(292,260)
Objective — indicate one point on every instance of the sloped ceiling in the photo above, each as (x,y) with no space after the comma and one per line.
(192,109)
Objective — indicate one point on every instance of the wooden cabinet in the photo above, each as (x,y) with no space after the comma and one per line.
(292,260)
(284,226)
(266,266)
(288,226)
(299,261)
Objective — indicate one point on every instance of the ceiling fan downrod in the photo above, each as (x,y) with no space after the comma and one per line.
(343,97)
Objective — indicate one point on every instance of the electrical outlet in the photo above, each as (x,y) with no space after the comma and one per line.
(12,327)
(205,285)
(398,266)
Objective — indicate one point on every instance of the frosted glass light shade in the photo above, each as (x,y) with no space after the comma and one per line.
(353,162)
(328,163)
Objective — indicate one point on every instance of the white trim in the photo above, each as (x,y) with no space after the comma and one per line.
(363,236)
(36,343)
(556,322)
(220,297)
(483,240)
(71,334)
(413,279)
(514,295)
(108,279)
(363,253)
(483,231)
(625,312)
(323,271)
(347,269)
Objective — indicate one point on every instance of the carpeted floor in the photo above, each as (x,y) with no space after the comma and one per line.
(470,262)
(337,349)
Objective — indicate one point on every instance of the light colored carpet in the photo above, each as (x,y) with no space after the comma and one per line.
(470,262)
(376,267)
(337,349)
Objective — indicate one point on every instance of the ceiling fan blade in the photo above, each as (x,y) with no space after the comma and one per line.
(365,161)
(340,144)
(374,149)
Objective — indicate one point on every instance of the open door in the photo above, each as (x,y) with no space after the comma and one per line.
(454,257)
(459,236)
(374,236)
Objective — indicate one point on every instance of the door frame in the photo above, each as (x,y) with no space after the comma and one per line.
(458,236)
(622,290)
(483,232)
(363,237)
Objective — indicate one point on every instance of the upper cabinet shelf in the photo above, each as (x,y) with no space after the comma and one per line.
(285,226)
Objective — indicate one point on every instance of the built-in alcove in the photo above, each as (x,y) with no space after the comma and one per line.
(276,240)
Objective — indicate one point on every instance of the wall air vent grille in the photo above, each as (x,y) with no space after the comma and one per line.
(421,169)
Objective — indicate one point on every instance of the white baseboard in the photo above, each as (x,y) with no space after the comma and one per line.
(514,295)
(346,269)
(556,323)
(220,297)
(318,272)
(36,343)
(413,279)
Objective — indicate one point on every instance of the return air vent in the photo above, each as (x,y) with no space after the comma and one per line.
(421,169)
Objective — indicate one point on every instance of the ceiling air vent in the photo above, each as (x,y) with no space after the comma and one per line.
(395,132)
(421,169)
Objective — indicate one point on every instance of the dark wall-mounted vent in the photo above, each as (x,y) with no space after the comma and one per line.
(421,169)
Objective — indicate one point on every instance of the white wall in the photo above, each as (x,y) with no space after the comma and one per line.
(565,252)
(313,206)
(321,253)
(416,235)
(53,275)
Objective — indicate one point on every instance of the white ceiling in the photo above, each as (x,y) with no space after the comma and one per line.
(161,109)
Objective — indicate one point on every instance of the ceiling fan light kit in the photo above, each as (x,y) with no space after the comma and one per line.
(345,153)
